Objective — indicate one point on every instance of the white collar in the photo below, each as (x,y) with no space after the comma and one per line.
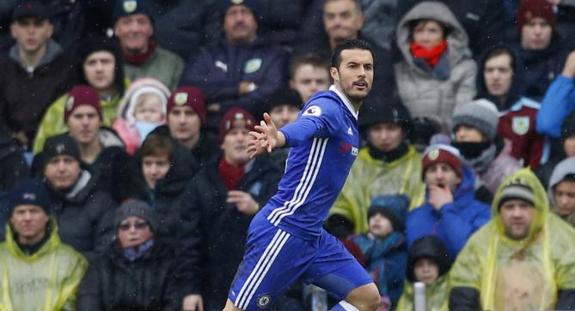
(344,99)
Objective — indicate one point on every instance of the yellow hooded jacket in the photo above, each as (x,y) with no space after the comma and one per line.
(44,281)
(517,275)
(371,177)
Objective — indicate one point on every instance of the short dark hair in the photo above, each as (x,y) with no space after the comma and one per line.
(307,59)
(352,44)
(156,145)
(498,51)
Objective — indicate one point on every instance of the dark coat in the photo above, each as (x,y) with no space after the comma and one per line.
(224,228)
(219,69)
(85,220)
(206,149)
(156,281)
(13,167)
(24,96)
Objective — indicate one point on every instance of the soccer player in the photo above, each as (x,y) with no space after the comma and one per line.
(286,240)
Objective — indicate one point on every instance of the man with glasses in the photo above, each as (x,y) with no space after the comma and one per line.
(138,271)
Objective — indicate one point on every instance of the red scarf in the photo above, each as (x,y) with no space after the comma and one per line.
(430,56)
(140,59)
(231,175)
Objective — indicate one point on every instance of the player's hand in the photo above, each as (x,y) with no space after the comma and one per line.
(439,196)
(243,201)
(193,303)
(265,137)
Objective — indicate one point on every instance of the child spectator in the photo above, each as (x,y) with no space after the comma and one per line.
(142,109)
(382,250)
(428,262)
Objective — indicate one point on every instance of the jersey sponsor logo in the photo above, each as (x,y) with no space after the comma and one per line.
(345,147)
(520,125)
(313,111)
(221,65)
(264,301)
(253,65)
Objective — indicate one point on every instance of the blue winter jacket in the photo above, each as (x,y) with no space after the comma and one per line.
(455,222)
(558,103)
(219,69)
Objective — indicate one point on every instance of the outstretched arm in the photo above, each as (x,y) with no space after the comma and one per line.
(266,137)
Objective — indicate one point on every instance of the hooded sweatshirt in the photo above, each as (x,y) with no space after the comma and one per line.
(435,93)
(561,170)
(494,272)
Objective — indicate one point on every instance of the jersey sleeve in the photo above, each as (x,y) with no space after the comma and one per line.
(319,118)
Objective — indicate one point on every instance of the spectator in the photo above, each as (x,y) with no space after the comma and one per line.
(483,21)
(143,108)
(428,262)
(81,210)
(437,72)
(562,190)
(566,148)
(99,66)
(283,106)
(34,74)
(522,259)
(475,136)
(229,191)
(450,211)
(186,124)
(343,20)
(382,250)
(541,50)
(381,17)
(387,165)
(13,166)
(309,74)
(138,271)
(240,70)
(558,101)
(40,272)
(134,28)
(500,82)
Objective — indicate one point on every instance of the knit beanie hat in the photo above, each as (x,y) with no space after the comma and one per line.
(29,192)
(60,145)
(284,96)
(378,109)
(130,7)
(82,95)
(529,9)
(392,207)
(441,154)
(480,114)
(430,247)
(516,190)
(253,5)
(190,96)
(236,118)
(137,209)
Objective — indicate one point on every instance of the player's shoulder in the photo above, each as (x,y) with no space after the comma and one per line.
(325,103)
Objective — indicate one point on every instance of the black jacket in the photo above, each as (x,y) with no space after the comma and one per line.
(224,229)
(85,219)
(156,281)
(13,167)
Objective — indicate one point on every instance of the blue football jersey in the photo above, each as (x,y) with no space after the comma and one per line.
(324,142)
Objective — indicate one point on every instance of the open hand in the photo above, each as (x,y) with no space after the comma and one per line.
(266,137)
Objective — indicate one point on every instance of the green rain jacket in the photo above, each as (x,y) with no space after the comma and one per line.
(44,281)
(494,272)
(371,177)
(435,296)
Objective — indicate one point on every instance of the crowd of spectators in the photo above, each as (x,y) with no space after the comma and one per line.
(125,182)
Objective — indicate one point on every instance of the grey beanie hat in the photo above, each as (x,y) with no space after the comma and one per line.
(139,209)
(561,170)
(481,114)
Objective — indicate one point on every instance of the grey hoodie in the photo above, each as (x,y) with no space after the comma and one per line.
(562,169)
(427,93)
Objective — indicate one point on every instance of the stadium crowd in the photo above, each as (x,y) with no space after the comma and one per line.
(125,181)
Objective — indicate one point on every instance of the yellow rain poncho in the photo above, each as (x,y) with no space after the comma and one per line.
(45,281)
(517,275)
(371,177)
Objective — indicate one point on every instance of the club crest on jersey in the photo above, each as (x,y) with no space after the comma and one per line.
(520,125)
(253,65)
(313,111)
(264,301)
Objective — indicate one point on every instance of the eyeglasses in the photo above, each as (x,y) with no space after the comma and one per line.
(137,226)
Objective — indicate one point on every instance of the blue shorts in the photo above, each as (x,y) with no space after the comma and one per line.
(274,259)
